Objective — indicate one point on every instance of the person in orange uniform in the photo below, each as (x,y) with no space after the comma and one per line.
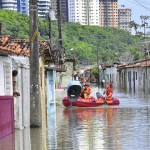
(86,91)
(108,91)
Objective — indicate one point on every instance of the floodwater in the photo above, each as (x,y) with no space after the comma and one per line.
(123,127)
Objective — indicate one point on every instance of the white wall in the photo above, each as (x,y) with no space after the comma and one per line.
(3,90)
(141,83)
(22,102)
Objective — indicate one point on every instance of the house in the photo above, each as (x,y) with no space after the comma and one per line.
(109,73)
(15,78)
(135,76)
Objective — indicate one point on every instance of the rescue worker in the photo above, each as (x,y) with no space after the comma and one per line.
(86,91)
(108,91)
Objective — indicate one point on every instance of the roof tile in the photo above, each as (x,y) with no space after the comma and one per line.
(19,46)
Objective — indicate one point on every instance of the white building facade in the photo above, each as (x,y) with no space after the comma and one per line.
(43,8)
(54,5)
(85,12)
(8,4)
(16,5)
(124,16)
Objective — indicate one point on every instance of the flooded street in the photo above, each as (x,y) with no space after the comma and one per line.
(123,127)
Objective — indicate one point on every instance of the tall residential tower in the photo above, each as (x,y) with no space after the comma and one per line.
(16,5)
(23,6)
(124,19)
(108,13)
(43,8)
(64,10)
(85,12)
(8,4)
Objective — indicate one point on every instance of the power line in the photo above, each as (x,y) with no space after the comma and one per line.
(145,3)
(138,3)
(142,5)
(131,2)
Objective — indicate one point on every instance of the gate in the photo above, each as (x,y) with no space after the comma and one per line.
(6,115)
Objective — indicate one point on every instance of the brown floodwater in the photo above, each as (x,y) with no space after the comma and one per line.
(123,127)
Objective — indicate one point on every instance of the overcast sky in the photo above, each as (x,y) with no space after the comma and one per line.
(139,7)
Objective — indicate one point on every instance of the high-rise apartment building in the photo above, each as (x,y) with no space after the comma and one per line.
(8,4)
(124,16)
(22,6)
(85,12)
(108,15)
(43,8)
(64,8)
(16,5)
(54,5)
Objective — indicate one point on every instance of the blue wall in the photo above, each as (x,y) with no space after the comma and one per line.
(51,103)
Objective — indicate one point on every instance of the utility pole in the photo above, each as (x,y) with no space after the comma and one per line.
(60,43)
(35,111)
(59,24)
(98,66)
(50,27)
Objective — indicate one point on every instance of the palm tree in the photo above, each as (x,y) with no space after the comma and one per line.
(134,25)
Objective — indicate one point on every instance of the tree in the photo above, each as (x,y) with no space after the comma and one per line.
(144,23)
(134,25)
(112,42)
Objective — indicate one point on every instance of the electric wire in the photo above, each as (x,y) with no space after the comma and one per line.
(140,4)
(145,3)
(136,2)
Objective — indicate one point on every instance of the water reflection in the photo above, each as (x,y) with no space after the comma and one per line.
(7,142)
(89,126)
(123,127)
(107,127)
(22,139)
(52,132)
(39,138)
(81,124)
(31,139)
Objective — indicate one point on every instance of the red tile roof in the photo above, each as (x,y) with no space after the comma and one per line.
(19,46)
